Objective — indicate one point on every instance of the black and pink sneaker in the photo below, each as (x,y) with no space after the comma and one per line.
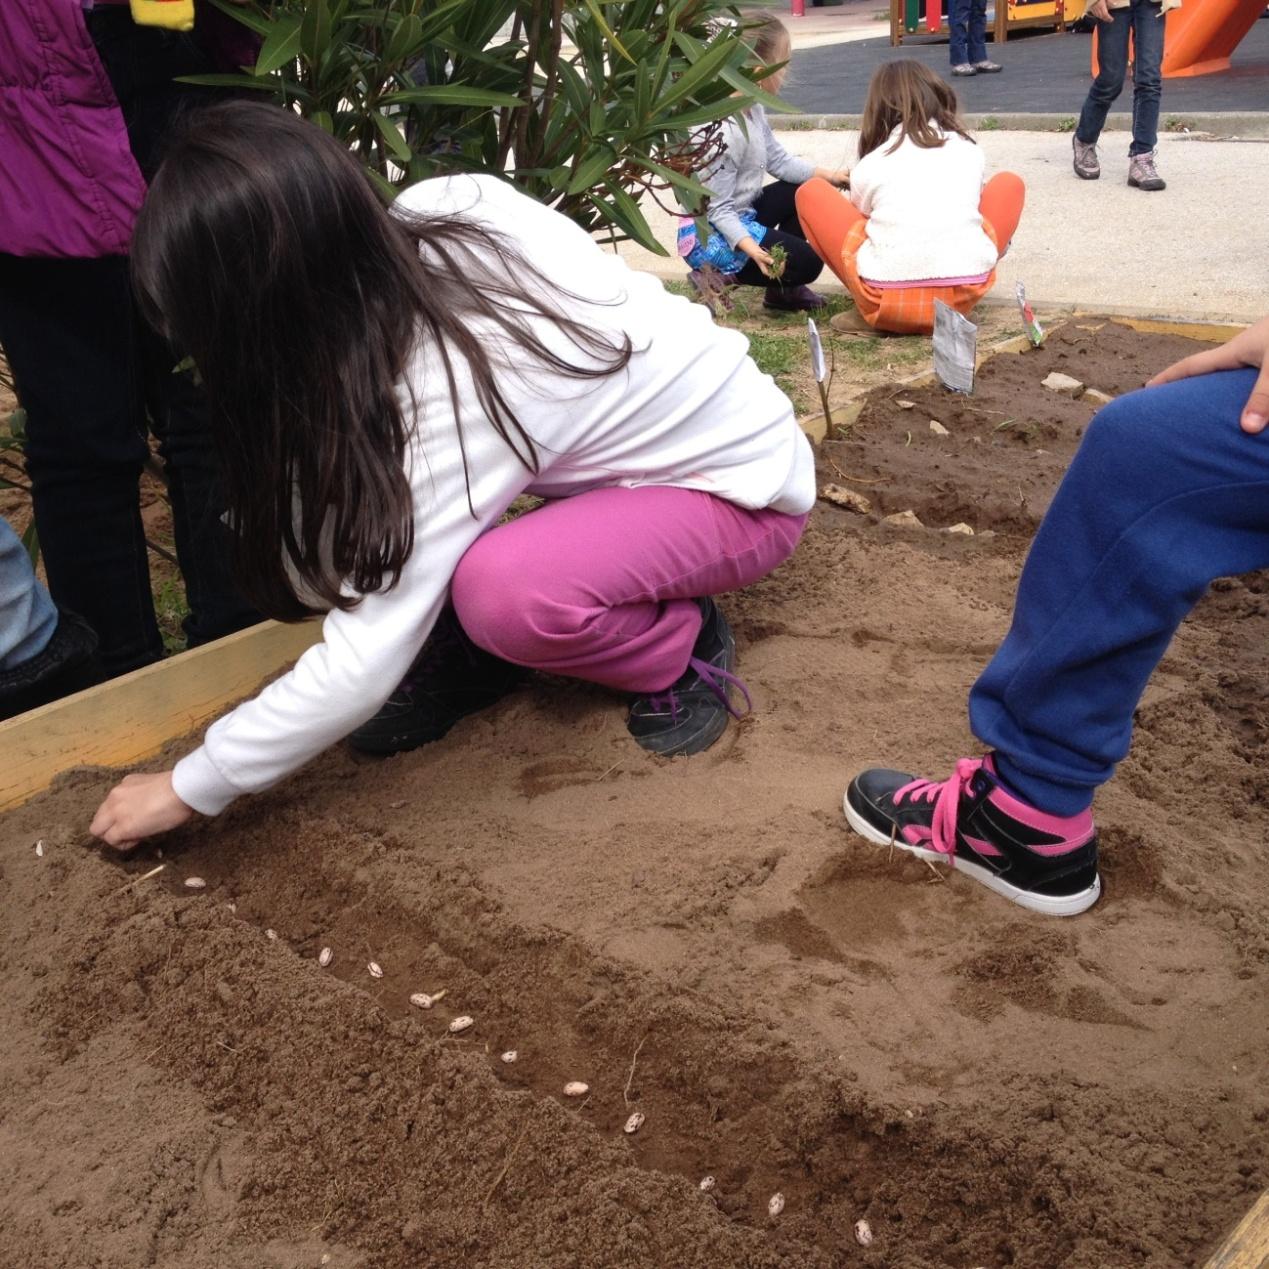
(1043,862)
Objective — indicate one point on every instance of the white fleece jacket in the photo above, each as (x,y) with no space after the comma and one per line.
(691,410)
(922,209)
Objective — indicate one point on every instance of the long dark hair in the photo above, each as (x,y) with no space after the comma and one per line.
(264,253)
(906,94)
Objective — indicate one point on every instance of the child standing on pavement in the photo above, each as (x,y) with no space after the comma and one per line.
(920,225)
(748,219)
(386,384)
(1119,22)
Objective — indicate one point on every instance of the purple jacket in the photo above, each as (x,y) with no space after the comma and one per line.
(69,185)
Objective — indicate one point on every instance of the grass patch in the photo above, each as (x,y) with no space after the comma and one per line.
(170,608)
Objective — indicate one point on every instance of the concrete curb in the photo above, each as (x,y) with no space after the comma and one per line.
(1224,124)
(677,272)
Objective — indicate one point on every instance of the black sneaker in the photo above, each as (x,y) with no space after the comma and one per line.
(68,664)
(450,678)
(1043,862)
(792,299)
(692,713)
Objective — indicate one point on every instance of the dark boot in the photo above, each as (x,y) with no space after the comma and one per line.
(691,714)
(450,679)
(68,664)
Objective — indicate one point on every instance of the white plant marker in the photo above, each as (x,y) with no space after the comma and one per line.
(375,969)
(823,378)
(775,1205)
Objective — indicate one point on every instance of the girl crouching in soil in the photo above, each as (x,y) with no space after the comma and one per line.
(919,225)
(385,385)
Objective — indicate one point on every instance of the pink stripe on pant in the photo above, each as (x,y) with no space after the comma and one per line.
(600,586)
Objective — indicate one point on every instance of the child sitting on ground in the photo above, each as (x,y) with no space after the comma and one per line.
(919,225)
(747,221)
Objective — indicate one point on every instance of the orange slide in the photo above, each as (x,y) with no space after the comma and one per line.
(1202,34)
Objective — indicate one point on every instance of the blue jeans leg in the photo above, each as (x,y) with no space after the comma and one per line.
(968,22)
(1147,75)
(1165,494)
(1112,58)
(27,615)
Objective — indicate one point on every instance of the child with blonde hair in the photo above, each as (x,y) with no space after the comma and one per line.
(749,219)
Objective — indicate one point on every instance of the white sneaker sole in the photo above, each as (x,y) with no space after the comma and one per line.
(1049,905)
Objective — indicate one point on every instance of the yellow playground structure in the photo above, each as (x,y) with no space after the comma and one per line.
(926,17)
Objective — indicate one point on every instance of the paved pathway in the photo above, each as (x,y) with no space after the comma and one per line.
(1200,248)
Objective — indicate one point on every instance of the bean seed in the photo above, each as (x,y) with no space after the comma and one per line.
(376,970)
(325,956)
(195,883)
(775,1205)
(707,1184)
(635,1122)
(575,1088)
(461,1023)
(510,1056)
(863,1233)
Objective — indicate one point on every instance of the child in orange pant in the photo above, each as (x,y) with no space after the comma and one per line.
(920,224)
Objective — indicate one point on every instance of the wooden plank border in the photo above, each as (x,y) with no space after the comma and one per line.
(132,717)
(1248,1246)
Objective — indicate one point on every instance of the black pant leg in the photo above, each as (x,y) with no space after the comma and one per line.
(180,418)
(67,329)
(802,265)
(776,208)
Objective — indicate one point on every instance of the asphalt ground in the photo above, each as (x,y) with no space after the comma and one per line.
(1044,72)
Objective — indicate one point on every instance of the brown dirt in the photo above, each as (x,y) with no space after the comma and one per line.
(985,1086)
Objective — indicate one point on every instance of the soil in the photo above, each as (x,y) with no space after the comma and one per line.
(701,940)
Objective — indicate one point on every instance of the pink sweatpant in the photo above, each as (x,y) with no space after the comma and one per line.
(600,586)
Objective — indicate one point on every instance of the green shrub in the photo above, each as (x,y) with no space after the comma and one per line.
(588,105)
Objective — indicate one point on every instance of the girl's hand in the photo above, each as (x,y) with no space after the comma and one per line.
(1100,10)
(761,258)
(840,178)
(1248,348)
(140,806)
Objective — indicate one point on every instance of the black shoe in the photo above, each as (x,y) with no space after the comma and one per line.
(68,664)
(1039,861)
(793,299)
(450,678)
(691,714)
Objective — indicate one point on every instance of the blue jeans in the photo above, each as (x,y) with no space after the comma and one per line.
(27,615)
(968,21)
(1144,22)
(1166,494)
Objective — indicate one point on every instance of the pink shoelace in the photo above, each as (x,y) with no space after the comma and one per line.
(946,796)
